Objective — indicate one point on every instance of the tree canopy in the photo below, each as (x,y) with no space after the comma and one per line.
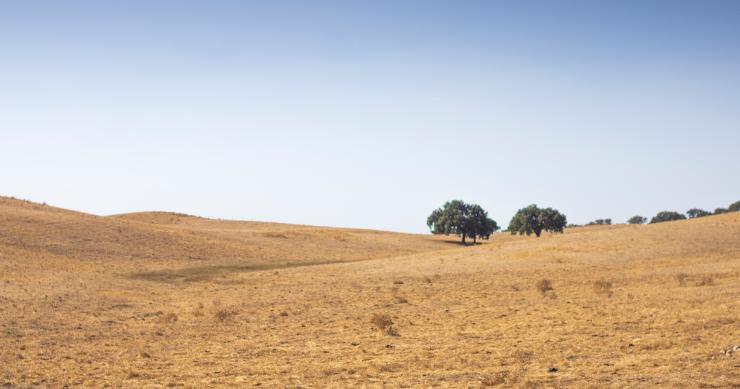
(465,220)
(696,212)
(666,216)
(734,207)
(600,222)
(719,211)
(532,219)
(637,219)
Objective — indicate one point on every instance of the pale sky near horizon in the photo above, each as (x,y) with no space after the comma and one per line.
(370,114)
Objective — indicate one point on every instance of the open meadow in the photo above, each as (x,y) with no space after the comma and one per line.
(169,300)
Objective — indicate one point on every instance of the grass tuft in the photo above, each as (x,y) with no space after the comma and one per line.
(682,278)
(544,285)
(226,313)
(603,287)
(384,323)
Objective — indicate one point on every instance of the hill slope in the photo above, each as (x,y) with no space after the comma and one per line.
(42,230)
(84,304)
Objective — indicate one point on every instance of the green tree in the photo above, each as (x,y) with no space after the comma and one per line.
(718,211)
(734,207)
(666,216)
(696,212)
(478,224)
(637,219)
(534,220)
(465,220)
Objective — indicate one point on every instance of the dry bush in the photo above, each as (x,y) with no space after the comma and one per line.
(544,285)
(226,313)
(427,280)
(603,287)
(682,278)
(398,299)
(384,323)
(706,280)
(494,379)
(198,311)
(170,318)
(274,235)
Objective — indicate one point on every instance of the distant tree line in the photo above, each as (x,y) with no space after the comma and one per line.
(637,219)
(665,216)
(466,220)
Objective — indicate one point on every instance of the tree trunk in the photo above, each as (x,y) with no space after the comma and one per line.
(475,237)
(463,238)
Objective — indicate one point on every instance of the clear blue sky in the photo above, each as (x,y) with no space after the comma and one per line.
(370,114)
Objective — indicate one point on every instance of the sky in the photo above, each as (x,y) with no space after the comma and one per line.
(370,113)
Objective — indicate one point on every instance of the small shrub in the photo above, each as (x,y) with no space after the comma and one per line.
(544,286)
(226,313)
(603,287)
(494,379)
(384,323)
(706,280)
(170,318)
(682,278)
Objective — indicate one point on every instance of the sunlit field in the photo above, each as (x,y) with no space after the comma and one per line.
(170,300)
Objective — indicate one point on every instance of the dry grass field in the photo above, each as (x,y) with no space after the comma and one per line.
(169,300)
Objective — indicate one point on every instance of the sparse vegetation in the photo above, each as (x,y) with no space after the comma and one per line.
(600,222)
(532,219)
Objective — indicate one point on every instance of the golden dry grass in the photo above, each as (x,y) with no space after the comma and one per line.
(169,300)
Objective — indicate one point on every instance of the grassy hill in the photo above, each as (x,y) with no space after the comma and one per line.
(164,299)
(43,230)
